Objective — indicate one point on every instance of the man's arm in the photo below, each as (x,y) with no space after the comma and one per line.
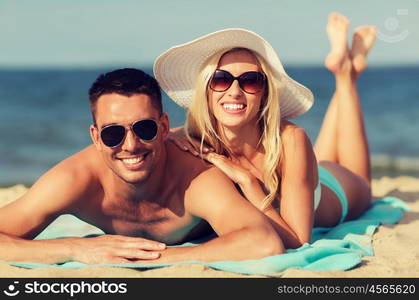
(66,188)
(243,231)
(96,250)
(53,194)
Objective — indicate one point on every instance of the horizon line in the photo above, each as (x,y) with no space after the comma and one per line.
(150,66)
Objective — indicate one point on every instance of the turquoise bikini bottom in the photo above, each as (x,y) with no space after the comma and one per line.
(326,178)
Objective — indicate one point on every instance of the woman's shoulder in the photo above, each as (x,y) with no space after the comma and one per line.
(296,145)
(292,132)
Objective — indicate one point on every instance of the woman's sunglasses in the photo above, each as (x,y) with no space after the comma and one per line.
(113,135)
(250,82)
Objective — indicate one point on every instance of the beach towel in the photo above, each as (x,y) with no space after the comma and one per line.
(337,248)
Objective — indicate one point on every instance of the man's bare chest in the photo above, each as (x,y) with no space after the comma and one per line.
(148,220)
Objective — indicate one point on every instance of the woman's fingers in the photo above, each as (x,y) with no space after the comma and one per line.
(182,142)
(211,157)
(194,146)
(178,142)
(222,163)
(197,146)
(232,169)
(217,159)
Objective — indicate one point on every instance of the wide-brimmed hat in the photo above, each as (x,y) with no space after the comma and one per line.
(176,69)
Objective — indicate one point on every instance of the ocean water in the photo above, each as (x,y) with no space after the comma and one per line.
(45,117)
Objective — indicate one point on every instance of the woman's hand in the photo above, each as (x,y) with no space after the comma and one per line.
(249,184)
(232,169)
(179,138)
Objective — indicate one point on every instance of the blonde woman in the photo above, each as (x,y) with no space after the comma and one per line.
(239,102)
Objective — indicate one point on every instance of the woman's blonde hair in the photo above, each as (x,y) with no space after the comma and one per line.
(201,123)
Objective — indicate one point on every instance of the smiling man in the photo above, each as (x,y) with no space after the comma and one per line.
(138,188)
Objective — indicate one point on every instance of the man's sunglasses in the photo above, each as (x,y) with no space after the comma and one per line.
(250,82)
(113,135)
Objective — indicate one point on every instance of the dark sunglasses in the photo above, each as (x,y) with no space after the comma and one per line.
(113,135)
(250,82)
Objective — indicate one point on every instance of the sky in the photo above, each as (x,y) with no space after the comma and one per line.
(104,33)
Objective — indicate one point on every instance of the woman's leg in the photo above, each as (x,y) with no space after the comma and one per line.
(342,146)
(363,39)
(326,143)
(342,138)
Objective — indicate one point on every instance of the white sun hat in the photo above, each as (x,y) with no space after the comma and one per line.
(176,69)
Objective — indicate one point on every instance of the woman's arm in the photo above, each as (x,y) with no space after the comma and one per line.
(243,231)
(299,178)
(298,182)
(253,191)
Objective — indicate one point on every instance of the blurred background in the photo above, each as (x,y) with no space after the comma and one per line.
(52,51)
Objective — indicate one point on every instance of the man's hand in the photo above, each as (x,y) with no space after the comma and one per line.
(115,249)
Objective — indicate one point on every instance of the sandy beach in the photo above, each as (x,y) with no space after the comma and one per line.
(396,247)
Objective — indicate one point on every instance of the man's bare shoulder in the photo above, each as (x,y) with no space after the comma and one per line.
(81,165)
(184,162)
(211,174)
(210,185)
(66,188)
(196,177)
(75,178)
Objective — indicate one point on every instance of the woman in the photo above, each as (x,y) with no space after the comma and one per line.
(240,99)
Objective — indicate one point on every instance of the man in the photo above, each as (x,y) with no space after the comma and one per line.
(138,188)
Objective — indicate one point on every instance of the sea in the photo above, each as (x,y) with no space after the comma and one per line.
(45,116)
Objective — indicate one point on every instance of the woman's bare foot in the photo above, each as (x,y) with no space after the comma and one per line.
(337,31)
(363,39)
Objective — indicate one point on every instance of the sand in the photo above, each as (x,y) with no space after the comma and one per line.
(396,247)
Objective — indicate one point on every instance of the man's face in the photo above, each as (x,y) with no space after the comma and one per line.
(133,160)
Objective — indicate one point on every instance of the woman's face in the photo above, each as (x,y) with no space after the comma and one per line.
(234,107)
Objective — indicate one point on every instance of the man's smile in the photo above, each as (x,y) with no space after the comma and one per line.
(134,162)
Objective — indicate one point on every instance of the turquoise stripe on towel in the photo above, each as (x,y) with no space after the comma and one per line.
(336,248)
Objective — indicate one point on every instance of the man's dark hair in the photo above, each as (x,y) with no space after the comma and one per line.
(125,82)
